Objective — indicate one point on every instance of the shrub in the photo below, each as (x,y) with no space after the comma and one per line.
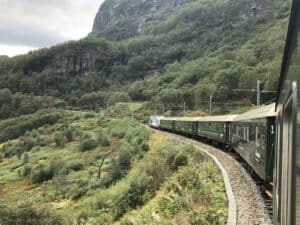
(11,150)
(68,133)
(59,139)
(76,165)
(103,139)
(27,143)
(88,144)
(41,173)
(14,128)
(27,215)
(144,147)
(26,171)
(114,173)
(180,160)
(125,161)
(25,158)
(56,166)
(133,197)
(176,157)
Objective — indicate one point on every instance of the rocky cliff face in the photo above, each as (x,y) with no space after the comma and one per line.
(121,19)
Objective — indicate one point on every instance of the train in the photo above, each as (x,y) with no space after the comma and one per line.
(267,138)
(251,135)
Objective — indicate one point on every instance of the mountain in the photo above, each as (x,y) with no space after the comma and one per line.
(118,19)
(169,53)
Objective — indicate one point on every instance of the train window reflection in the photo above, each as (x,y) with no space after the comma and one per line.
(263,141)
(258,136)
(248,133)
(251,134)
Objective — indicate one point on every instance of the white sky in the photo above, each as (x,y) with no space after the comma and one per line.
(30,24)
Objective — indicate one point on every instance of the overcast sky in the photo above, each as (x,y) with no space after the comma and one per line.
(32,24)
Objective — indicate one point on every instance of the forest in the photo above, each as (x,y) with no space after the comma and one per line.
(207,48)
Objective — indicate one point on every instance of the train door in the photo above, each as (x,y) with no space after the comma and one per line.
(288,160)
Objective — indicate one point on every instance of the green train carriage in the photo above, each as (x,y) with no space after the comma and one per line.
(215,128)
(186,126)
(253,138)
(167,124)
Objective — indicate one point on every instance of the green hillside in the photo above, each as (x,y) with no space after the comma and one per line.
(81,168)
(203,48)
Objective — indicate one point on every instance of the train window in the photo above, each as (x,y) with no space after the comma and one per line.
(240,131)
(258,136)
(263,141)
(233,129)
(251,134)
(247,134)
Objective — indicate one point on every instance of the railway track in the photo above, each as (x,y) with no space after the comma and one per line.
(264,189)
(253,205)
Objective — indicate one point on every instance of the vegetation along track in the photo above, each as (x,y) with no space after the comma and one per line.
(250,204)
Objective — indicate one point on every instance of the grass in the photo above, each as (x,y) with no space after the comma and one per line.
(125,176)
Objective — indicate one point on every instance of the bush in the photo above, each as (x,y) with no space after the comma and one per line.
(41,173)
(11,150)
(180,160)
(76,165)
(144,147)
(14,128)
(125,161)
(59,139)
(57,166)
(68,133)
(103,139)
(176,157)
(88,144)
(114,173)
(27,215)
(26,171)
(133,197)
(25,158)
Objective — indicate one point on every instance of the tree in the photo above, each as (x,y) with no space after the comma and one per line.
(5,96)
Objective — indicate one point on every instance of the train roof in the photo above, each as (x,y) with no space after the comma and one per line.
(226,118)
(180,118)
(261,112)
(203,118)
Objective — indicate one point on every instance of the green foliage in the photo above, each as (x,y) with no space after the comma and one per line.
(69,133)
(76,165)
(118,97)
(18,104)
(132,197)
(119,110)
(25,171)
(59,139)
(114,173)
(5,96)
(88,144)
(93,100)
(25,158)
(27,215)
(14,128)
(103,139)
(216,42)
(41,173)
